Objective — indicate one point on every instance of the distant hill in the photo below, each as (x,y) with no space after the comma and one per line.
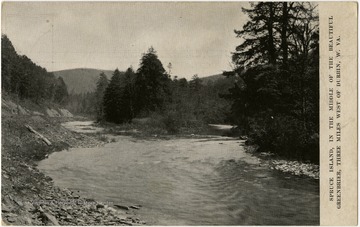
(81,80)
(221,84)
(212,78)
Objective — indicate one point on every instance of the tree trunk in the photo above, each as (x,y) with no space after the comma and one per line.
(284,44)
(272,56)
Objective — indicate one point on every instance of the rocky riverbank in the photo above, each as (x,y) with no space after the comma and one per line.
(31,198)
(295,168)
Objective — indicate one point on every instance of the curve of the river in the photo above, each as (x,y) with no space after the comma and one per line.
(208,181)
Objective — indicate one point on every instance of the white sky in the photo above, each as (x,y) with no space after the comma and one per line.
(197,38)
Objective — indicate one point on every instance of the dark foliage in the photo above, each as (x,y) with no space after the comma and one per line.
(25,79)
(276,94)
(101,86)
(173,104)
(61,93)
(130,96)
(152,84)
(115,107)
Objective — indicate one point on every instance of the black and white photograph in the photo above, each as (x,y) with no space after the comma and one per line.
(160,113)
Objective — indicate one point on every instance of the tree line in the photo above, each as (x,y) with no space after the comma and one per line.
(133,94)
(276,94)
(151,90)
(23,78)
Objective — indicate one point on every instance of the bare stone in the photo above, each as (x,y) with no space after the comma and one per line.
(49,219)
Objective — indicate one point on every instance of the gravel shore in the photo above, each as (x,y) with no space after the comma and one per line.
(291,167)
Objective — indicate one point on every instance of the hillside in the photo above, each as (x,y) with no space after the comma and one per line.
(212,78)
(220,83)
(81,80)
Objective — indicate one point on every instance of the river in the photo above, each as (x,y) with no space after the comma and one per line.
(187,181)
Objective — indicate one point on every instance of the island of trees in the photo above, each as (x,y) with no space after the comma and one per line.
(152,92)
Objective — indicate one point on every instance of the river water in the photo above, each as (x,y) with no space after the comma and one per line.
(192,181)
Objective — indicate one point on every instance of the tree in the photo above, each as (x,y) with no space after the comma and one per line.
(25,79)
(152,83)
(303,46)
(129,96)
(169,66)
(195,83)
(260,42)
(61,92)
(8,60)
(101,86)
(115,106)
(284,33)
(275,97)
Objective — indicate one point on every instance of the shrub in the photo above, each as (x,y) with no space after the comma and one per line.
(103,138)
(171,122)
(285,136)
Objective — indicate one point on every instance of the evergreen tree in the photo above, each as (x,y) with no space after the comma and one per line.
(8,59)
(25,79)
(152,83)
(115,107)
(195,83)
(260,42)
(61,93)
(275,97)
(101,86)
(129,96)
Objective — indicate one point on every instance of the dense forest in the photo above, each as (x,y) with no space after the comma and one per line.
(152,92)
(26,80)
(276,94)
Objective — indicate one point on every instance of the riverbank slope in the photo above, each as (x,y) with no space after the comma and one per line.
(31,198)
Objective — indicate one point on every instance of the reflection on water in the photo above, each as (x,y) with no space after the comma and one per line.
(187,182)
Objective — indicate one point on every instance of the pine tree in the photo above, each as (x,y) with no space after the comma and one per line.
(61,93)
(101,86)
(152,83)
(8,60)
(195,83)
(260,43)
(129,96)
(25,79)
(115,107)
(275,97)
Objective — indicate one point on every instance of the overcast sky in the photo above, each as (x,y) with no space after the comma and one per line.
(197,38)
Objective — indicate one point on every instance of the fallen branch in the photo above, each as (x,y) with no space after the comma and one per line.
(121,206)
(41,136)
